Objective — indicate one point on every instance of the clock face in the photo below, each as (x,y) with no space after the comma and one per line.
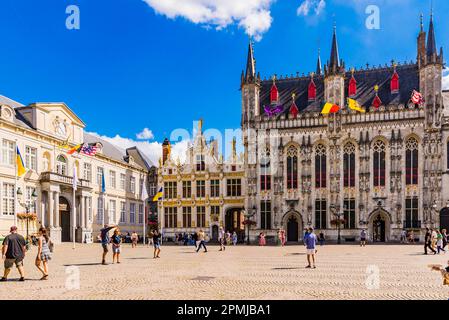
(7,113)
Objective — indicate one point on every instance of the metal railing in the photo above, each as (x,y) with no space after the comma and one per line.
(59,178)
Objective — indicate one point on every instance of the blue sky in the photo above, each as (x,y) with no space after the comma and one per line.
(161,64)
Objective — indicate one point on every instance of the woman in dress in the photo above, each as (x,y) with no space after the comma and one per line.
(116,242)
(282,237)
(262,239)
(43,253)
(134,238)
(234,238)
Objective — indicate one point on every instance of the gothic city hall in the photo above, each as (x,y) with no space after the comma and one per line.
(377,159)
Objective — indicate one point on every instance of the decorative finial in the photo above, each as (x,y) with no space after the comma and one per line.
(376,88)
(200,126)
(293,96)
(422,22)
(352,70)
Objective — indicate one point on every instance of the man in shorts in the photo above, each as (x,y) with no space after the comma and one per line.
(310,242)
(13,252)
(105,240)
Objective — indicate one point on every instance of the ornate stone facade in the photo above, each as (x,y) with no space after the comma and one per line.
(383,170)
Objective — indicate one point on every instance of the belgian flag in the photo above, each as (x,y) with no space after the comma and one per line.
(330,108)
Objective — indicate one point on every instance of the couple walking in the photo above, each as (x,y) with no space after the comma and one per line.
(14,251)
(116,241)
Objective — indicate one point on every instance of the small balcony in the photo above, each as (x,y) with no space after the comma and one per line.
(54,177)
(412,224)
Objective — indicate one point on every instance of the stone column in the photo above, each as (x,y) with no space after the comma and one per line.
(56,209)
(82,212)
(50,208)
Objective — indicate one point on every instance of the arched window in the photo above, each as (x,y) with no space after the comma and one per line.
(411,162)
(320,166)
(292,168)
(265,173)
(61,165)
(379,163)
(349,165)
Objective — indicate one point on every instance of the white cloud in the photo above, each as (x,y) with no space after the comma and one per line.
(146,134)
(307,6)
(252,15)
(446,80)
(153,150)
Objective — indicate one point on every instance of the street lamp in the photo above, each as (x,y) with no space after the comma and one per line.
(248,216)
(338,215)
(27,206)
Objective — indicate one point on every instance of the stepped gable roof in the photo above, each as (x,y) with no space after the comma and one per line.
(366,80)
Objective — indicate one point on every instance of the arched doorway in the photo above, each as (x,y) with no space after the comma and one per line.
(215,233)
(444,219)
(64,219)
(234,222)
(292,224)
(379,226)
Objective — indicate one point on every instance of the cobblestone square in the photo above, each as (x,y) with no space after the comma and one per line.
(242,272)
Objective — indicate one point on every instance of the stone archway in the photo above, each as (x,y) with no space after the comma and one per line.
(444,219)
(293,225)
(379,226)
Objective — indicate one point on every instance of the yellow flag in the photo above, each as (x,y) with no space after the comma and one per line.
(158,196)
(19,162)
(354,105)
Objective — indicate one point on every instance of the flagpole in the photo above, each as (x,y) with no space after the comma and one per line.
(144,220)
(74,216)
(15,186)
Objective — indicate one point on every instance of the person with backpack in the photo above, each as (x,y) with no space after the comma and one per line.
(44,251)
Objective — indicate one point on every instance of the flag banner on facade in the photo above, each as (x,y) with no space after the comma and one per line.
(90,149)
(76,148)
(417,98)
(330,108)
(75,179)
(19,162)
(354,105)
(273,111)
(158,196)
(144,193)
(103,184)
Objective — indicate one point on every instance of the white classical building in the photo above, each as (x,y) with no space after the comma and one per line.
(43,132)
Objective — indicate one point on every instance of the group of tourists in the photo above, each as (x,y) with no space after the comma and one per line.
(280,235)
(14,250)
(435,240)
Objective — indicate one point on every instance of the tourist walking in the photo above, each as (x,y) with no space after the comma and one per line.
(310,242)
(234,238)
(221,239)
(43,252)
(134,239)
(428,242)
(321,238)
(156,244)
(202,243)
(13,252)
(403,236)
(411,236)
(105,240)
(440,242)
(116,240)
(262,241)
(282,236)
(228,238)
(363,238)
(443,232)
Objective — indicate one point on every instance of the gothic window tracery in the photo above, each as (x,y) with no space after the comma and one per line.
(349,165)
(292,168)
(265,172)
(320,166)
(379,151)
(411,162)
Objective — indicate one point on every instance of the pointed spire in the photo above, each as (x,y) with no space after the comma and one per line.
(422,22)
(335,57)
(431,43)
(319,70)
(250,73)
(293,108)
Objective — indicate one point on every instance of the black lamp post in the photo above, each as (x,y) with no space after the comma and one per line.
(27,207)
(248,216)
(338,215)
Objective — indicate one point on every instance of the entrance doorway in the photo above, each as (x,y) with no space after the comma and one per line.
(215,233)
(234,222)
(292,229)
(64,219)
(379,229)
(444,219)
